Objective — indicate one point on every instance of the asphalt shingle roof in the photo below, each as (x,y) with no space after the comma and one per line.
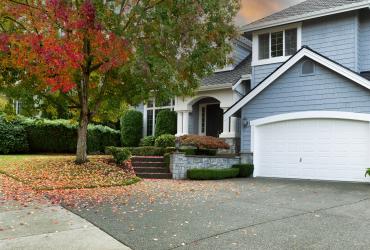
(366,75)
(232,76)
(303,8)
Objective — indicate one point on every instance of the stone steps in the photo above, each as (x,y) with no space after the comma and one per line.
(150,167)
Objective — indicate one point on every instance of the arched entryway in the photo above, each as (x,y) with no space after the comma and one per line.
(207,117)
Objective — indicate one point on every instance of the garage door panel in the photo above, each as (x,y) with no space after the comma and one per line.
(327,149)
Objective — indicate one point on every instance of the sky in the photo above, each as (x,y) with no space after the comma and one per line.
(252,10)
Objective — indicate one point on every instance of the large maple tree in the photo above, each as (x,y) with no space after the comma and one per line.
(98,53)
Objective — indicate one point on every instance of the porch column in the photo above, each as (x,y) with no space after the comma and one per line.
(185,123)
(229,127)
(179,124)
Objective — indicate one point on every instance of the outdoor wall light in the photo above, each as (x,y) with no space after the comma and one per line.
(246,123)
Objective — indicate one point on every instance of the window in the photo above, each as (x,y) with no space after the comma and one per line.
(308,68)
(277,45)
(277,41)
(151,111)
(290,42)
(264,46)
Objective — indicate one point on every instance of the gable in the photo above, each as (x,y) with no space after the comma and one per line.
(305,52)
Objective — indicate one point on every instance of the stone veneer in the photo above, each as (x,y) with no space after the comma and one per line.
(180,163)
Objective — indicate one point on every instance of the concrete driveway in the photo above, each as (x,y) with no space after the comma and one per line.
(245,214)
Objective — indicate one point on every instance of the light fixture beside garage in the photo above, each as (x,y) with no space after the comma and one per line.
(246,123)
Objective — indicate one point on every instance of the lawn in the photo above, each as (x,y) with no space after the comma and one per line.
(51,172)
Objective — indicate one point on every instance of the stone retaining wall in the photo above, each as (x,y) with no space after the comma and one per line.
(180,163)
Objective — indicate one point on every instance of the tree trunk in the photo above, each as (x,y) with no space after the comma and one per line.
(81,154)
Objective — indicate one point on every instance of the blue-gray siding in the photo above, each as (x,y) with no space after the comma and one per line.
(335,37)
(364,43)
(261,72)
(325,90)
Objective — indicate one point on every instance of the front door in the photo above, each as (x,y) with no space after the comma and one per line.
(214,118)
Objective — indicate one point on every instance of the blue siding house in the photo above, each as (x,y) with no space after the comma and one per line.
(307,114)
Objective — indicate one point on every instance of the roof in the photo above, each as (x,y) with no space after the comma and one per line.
(366,74)
(306,10)
(229,77)
(303,52)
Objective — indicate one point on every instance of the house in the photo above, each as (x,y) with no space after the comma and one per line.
(301,106)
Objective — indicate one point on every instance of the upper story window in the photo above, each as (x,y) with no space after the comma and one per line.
(276,45)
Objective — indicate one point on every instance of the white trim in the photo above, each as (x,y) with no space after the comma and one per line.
(226,68)
(312,115)
(243,78)
(302,53)
(214,87)
(299,18)
(255,54)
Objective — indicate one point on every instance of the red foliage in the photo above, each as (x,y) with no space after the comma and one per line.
(57,40)
(203,142)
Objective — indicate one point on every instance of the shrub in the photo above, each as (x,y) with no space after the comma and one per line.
(166,159)
(198,151)
(119,154)
(60,136)
(147,151)
(245,170)
(212,174)
(367,172)
(203,142)
(166,123)
(165,141)
(131,128)
(13,138)
(147,141)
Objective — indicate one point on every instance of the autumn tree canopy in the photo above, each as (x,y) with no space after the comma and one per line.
(94,54)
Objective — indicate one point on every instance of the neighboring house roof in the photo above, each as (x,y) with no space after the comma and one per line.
(230,77)
(304,52)
(306,10)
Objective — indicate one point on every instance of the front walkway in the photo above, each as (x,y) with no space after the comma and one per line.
(240,214)
(40,226)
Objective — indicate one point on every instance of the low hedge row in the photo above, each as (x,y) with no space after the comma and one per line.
(52,136)
(212,174)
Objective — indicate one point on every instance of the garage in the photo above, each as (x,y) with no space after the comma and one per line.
(319,145)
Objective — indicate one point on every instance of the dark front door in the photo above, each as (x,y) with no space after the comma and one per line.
(214,120)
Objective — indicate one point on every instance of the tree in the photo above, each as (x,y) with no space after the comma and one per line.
(94,53)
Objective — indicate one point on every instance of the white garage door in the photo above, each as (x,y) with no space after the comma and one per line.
(313,148)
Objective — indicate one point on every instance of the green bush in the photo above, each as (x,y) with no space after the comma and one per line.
(13,138)
(131,128)
(166,123)
(165,141)
(119,154)
(147,141)
(212,174)
(60,136)
(147,151)
(367,172)
(245,170)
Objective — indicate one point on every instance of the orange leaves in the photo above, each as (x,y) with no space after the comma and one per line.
(58,41)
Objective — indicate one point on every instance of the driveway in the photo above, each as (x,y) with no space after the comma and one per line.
(243,214)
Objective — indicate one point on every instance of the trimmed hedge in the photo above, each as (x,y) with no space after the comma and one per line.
(60,136)
(147,141)
(245,170)
(367,172)
(13,138)
(165,141)
(196,151)
(26,135)
(131,128)
(212,174)
(166,123)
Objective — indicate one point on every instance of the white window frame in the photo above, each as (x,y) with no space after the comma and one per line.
(256,61)
(154,108)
